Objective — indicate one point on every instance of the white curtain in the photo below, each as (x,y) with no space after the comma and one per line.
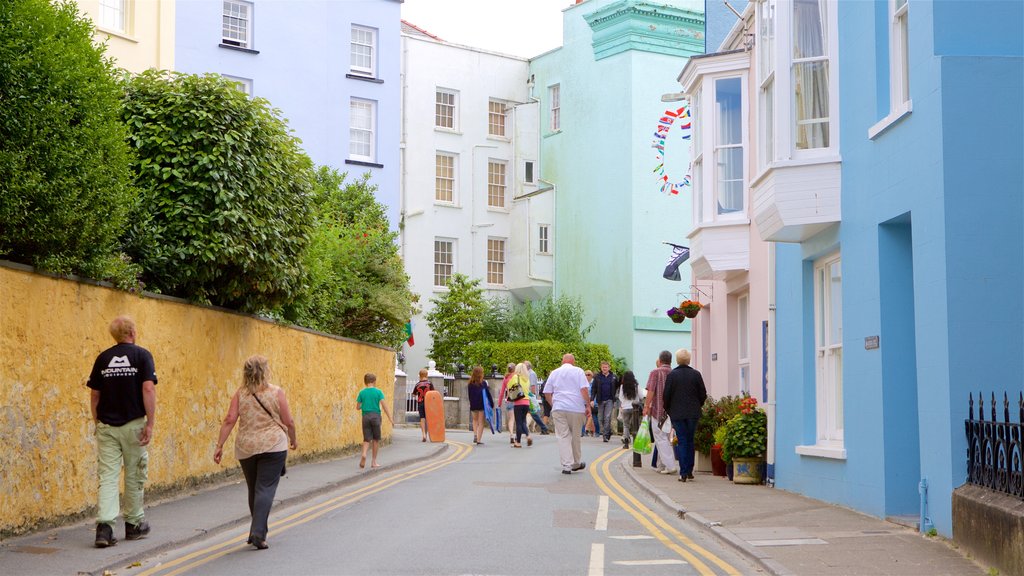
(810,74)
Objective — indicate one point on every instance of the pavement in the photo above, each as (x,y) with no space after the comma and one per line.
(781,532)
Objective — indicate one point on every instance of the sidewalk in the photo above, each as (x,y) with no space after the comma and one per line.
(188,517)
(789,534)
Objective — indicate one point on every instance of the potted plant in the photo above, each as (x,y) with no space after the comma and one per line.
(676,315)
(690,308)
(746,440)
(718,465)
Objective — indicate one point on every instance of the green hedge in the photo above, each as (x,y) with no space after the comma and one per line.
(546,355)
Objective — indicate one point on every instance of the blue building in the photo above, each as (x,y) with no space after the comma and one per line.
(332,68)
(893,190)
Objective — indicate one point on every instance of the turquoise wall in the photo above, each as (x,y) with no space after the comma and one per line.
(610,214)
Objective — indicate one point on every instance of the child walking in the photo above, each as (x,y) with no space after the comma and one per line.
(371,401)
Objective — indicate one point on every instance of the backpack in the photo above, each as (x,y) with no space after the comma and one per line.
(514,391)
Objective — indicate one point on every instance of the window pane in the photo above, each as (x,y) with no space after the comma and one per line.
(808,29)
(112,14)
(743,331)
(495,261)
(555,99)
(445,110)
(837,378)
(810,85)
(496,184)
(528,176)
(728,101)
(819,295)
(444,184)
(835,303)
(236,23)
(766,42)
(496,118)
(362,49)
(361,130)
(443,261)
(729,163)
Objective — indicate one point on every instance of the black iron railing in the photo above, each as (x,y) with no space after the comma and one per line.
(995,449)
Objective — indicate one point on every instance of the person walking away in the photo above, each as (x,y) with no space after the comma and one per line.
(477,389)
(605,388)
(370,401)
(567,391)
(516,393)
(655,408)
(629,400)
(591,428)
(510,371)
(123,405)
(535,393)
(265,433)
(421,389)
(684,398)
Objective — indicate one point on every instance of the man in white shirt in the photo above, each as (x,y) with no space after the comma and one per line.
(567,390)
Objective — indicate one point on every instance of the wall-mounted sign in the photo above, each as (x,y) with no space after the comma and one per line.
(871,342)
(714,356)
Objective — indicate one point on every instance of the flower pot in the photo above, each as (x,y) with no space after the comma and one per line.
(717,464)
(691,312)
(678,319)
(747,470)
(703,463)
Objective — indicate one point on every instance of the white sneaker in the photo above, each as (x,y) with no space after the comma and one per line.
(669,471)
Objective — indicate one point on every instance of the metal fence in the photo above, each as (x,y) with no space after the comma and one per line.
(995,449)
(411,405)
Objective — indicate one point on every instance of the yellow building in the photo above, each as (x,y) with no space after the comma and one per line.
(139,33)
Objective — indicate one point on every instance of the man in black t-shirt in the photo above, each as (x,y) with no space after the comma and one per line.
(123,402)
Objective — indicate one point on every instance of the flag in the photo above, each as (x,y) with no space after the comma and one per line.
(408,333)
(679,255)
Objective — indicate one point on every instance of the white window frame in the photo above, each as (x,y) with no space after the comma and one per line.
(244,84)
(544,239)
(358,70)
(440,177)
(496,267)
(442,106)
(228,35)
(441,267)
(697,164)
(497,184)
(115,15)
(785,151)
(828,359)
(555,107)
(705,131)
(900,103)
(717,147)
(743,342)
(354,130)
(766,48)
(497,119)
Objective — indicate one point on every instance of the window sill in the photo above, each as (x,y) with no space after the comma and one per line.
(447,130)
(117,34)
(364,78)
(362,163)
(443,204)
(553,133)
(891,120)
(498,209)
(497,138)
(239,49)
(822,451)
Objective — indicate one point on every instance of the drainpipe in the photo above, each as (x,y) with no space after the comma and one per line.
(924,523)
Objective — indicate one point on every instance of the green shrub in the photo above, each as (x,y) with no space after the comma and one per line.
(714,415)
(746,434)
(560,319)
(356,282)
(225,211)
(545,355)
(65,183)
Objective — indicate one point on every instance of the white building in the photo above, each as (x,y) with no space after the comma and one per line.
(471,198)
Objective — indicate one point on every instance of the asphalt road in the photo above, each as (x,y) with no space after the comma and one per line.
(488,509)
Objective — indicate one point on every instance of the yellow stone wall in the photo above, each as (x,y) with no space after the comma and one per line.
(51,331)
(147,42)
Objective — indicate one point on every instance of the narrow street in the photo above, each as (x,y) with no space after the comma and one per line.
(472,510)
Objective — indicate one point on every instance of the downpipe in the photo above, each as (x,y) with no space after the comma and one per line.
(924,522)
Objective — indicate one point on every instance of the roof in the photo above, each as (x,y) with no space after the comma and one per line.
(415,30)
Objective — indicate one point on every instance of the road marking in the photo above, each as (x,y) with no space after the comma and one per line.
(596,560)
(602,514)
(652,522)
(237,543)
(666,562)
(634,537)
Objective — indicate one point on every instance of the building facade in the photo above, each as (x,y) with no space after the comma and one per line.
(617,158)
(860,168)
(332,68)
(473,202)
(139,33)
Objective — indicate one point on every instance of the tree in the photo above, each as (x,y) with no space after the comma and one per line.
(356,283)
(65,183)
(225,217)
(456,320)
(560,319)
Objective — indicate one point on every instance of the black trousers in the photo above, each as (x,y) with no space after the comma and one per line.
(262,473)
(520,413)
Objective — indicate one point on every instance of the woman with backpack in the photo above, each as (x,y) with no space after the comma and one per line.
(630,404)
(515,391)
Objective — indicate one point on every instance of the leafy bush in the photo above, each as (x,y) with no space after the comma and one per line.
(225,211)
(714,415)
(545,355)
(65,183)
(560,319)
(456,321)
(746,434)
(356,284)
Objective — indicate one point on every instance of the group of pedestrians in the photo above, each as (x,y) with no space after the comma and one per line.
(675,396)
(122,387)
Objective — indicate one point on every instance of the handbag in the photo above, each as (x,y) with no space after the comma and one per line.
(285,467)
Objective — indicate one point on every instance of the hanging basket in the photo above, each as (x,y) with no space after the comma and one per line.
(690,308)
(676,315)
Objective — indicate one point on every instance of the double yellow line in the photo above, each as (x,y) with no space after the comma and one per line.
(658,527)
(234,544)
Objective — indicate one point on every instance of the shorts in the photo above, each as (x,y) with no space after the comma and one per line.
(371,426)
(422,408)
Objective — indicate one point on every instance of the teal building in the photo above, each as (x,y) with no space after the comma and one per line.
(617,156)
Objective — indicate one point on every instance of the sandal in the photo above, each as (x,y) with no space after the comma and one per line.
(529,441)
